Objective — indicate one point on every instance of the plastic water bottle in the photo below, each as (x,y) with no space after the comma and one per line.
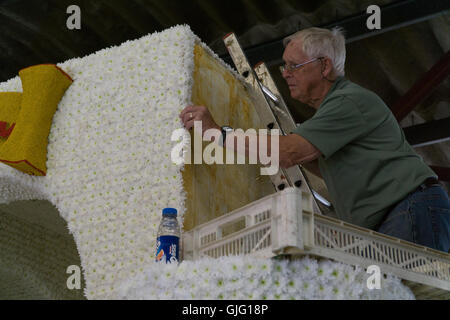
(168,237)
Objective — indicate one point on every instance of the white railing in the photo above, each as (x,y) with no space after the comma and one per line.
(279,224)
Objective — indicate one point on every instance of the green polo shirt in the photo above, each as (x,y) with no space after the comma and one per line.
(366,162)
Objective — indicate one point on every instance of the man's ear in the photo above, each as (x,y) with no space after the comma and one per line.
(327,67)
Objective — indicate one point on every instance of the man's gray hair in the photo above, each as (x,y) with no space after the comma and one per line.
(318,42)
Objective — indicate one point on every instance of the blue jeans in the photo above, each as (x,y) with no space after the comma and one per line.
(422,217)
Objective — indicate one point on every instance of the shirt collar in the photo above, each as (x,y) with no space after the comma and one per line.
(338,81)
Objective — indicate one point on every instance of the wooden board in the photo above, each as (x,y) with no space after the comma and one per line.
(214,190)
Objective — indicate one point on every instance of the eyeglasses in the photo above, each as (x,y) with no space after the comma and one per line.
(292,67)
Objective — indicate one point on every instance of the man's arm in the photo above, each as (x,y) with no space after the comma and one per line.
(313,166)
(293,148)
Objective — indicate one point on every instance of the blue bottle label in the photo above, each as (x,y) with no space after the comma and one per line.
(167,248)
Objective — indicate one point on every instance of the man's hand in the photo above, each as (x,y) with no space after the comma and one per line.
(198,113)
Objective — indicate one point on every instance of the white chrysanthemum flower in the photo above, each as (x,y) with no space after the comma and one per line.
(280,266)
(324,292)
(308,267)
(307,289)
(279,283)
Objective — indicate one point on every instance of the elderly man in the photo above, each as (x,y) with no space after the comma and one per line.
(374,177)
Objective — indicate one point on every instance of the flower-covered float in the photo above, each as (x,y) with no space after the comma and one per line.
(109,174)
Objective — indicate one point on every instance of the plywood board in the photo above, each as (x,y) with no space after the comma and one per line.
(214,190)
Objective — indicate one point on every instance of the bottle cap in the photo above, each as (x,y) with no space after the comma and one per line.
(169,211)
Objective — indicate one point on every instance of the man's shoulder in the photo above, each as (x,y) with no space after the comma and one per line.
(352,90)
(362,98)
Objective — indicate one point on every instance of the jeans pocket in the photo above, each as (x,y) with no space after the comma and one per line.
(395,215)
(440,221)
(443,211)
(399,224)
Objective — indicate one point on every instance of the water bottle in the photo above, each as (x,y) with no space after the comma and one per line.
(168,237)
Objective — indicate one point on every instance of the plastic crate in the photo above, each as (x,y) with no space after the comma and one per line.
(260,228)
(280,224)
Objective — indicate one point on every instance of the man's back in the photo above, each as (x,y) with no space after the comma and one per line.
(366,162)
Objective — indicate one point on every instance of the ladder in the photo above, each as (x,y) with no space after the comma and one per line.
(274,114)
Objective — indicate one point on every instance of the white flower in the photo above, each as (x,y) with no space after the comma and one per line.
(324,292)
(279,283)
(308,267)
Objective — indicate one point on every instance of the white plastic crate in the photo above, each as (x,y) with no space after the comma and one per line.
(283,223)
(261,228)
